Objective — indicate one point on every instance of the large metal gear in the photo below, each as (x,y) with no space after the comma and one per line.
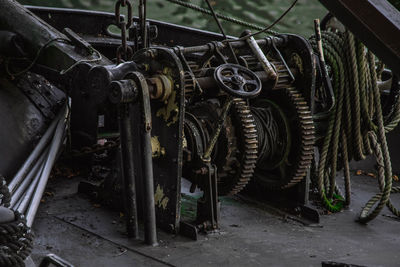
(242,134)
(235,153)
(297,160)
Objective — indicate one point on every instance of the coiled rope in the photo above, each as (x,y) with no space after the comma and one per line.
(16,242)
(5,195)
(356,126)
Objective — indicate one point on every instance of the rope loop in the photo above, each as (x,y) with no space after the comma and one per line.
(16,242)
(5,195)
(356,126)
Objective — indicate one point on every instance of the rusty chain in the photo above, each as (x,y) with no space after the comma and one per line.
(124,52)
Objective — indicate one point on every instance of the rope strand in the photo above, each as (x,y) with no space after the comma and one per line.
(356,127)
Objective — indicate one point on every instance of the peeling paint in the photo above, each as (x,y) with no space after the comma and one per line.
(156,148)
(160,199)
(170,111)
(298,62)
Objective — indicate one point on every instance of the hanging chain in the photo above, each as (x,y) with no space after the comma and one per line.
(124,52)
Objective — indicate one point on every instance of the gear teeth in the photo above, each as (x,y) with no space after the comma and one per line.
(190,85)
(307,136)
(238,179)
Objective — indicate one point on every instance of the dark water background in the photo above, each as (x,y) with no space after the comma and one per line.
(260,12)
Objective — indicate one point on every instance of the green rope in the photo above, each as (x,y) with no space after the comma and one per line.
(356,126)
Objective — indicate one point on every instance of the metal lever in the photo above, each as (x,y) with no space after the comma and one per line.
(150,234)
(267,66)
(127,91)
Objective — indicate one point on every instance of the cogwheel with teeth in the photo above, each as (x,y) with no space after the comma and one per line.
(293,149)
(242,135)
(235,153)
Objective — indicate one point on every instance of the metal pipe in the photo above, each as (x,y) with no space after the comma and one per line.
(150,234)
(54,147)
(128,171)
(149,203)
(143,26)
(20,201)
(235,44)
(268,68)
(20,190)
(23,204)
(26,167)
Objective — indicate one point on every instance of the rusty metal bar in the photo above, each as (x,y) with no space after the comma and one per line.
(236,44)
(128,170)
(52,156)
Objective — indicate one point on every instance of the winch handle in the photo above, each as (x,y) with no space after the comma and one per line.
(237,80)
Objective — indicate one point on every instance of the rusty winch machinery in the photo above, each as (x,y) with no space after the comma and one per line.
(223,114)
(219,120)
(227,115)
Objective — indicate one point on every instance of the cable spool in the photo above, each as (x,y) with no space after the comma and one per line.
(273,148)
(286,136)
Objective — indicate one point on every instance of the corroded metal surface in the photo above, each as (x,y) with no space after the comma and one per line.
(30,102)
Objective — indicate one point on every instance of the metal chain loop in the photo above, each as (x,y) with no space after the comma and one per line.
(124,52)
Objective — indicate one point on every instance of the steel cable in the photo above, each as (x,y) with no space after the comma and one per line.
(268,133)
(223,17)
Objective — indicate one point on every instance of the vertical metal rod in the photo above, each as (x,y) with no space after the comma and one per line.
(54,147)
(149,203)
(142,21)
(23,171)
(128,171)
(215,196)
(150,234)
(210,192)
(324,73)
(222,30)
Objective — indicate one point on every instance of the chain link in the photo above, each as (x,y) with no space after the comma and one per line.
(124,52)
